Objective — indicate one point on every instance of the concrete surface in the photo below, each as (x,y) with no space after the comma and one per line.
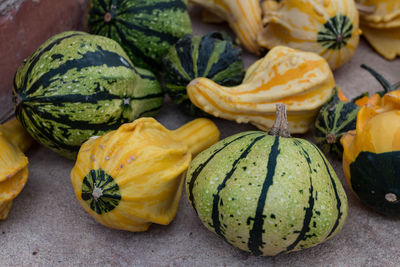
(47,226)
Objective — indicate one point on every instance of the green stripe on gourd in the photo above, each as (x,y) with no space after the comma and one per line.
(335,119)
(266,194)
(212,56)
(100,191)
(78,85)
(146,29)
(336,32)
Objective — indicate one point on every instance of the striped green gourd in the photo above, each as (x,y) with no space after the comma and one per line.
(335,119)
(145,29)
(212,56)
(267,194)
(77,85)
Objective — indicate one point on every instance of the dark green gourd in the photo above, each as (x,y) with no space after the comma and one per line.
(267,193)
(213,56)
(77,85)
(145,29)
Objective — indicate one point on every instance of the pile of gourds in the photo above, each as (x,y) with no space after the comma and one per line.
(261,192)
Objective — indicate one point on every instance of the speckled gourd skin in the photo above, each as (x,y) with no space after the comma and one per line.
(77,85)
(267,195)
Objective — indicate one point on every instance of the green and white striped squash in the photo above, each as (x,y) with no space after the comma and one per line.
(212,56)
(77,85)
(267,194)
(145,29)
(335,119)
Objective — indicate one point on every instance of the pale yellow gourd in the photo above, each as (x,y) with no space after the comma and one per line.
(132,177)
(13,163)
(243,16)
(380,23)
(301,80)
(329,28)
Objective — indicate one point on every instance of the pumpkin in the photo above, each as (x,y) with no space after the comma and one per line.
(301,80)
(132,177)
(212,56)
(380,23)
(145,29)
(13,164)
(267,193)
(328,28)
(76,85)
(371,157)
(243,16)
(335,118)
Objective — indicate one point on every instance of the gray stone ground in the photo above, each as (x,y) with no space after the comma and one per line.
(47,226)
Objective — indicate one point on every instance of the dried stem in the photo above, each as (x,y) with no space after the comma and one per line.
(280,126)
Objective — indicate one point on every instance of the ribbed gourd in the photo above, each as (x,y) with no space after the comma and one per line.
(335,119)
(76,85)
(212,56)
(371,157)
(243,16)
(14,140)
(132,177)
(380,23)
(329,28)
(266,193)
(301,80)
(146,29)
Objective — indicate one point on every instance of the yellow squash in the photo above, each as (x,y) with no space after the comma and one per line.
(371,157)
(301,80)
(13,163)
(329,28)
(132,177)
(381,25)
(243,16)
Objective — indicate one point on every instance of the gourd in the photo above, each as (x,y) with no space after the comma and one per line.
(145,29)
(243,16)
(212,56)
(76,85)
(13,163)
(371,156)
(336,118)
(328,28)
(380,23)
(132,177)
(267,193)
(339,115)
(301,80)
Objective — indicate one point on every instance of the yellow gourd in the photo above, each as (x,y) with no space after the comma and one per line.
(381,25)
(329,28)
(13,163)
(243,16)
(371,157)
(132,177)
(301,80)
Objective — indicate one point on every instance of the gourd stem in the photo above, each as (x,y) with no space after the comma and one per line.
(387,86)
(198,135)
(280,127)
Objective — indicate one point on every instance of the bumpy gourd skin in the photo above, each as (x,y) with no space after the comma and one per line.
(243,16)
(266,194)
(329,28)
(371,157)
(381,26)
(301,80)
(132,177)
